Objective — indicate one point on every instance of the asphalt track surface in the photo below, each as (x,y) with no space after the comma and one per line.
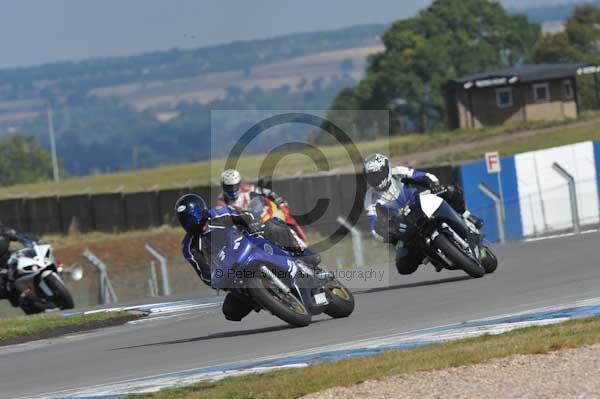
(530,275)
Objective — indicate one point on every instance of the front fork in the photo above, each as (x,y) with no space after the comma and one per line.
(459,230)
(34,287)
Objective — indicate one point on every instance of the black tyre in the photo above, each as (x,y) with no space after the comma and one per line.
(458,257)
(285,306)
(30,309)
(341,303)
(62,297)
(489,260)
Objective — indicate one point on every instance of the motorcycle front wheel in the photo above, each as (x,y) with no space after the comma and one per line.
(458,257)
(62,297)
(286,306)
(31,309)
(489,260)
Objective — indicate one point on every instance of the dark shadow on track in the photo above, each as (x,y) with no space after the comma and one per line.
(228,334)
(414,285)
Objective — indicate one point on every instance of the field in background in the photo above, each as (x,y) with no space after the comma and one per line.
(205,88)
(414,149)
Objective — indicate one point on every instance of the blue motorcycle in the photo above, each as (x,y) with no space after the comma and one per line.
(272,278)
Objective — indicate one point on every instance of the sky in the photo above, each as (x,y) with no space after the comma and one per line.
(39,31)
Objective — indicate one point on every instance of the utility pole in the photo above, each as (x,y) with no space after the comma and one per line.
(52,144)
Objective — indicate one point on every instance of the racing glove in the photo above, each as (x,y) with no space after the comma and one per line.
(252,224)
(420,181)
(9,233)
(255,226)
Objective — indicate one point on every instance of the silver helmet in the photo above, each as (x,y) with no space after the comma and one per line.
(230,182)
(378,171)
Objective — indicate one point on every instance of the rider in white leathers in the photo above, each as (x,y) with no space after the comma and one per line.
(387,184)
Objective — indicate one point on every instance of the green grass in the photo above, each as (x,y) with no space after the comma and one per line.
(95,237)
(293,383)
(572,134)
(25,328)
(201,173)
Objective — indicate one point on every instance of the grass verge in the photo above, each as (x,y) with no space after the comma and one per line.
(568,135)
(293,383)
(21,329)
(201,173)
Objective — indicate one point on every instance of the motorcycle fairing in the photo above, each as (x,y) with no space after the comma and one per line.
(241,254)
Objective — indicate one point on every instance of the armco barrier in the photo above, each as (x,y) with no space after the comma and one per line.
(141,210)
(108,212)
(166,200)
(14,214)
(112,212)
(76,209)
(44,215)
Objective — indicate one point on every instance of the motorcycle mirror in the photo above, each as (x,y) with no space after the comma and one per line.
(73,272)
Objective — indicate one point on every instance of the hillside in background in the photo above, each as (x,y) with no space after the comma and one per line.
(24,90)
(556,12)
(123,113)
(419,150)
(146,110)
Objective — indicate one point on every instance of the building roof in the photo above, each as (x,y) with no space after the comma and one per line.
(524,74)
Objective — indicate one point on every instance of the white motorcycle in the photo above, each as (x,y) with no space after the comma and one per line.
(433,228)
(34,279)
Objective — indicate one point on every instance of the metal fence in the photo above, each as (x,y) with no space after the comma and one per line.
(536,219)
(138,281)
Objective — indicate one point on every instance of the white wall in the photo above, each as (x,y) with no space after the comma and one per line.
(544,195)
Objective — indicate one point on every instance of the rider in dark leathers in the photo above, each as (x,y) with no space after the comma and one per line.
(205,237)
(8,235)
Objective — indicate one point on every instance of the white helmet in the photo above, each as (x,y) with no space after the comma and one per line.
(377,169)
(230,181)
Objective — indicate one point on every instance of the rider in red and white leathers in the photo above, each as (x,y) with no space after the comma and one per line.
(238,194)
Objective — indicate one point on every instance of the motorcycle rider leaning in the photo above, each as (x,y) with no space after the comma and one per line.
(387,184)
(206,235)
(7,235)
(238,194)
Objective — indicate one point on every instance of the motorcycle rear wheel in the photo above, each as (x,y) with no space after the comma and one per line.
(284,306)
(341,303)
(458,257)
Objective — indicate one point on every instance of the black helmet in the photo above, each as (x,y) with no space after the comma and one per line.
(378,171)
(192,213)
